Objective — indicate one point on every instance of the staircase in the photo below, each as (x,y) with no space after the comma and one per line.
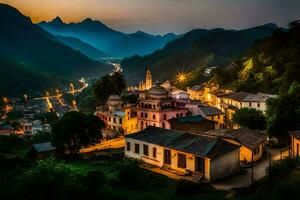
(197,177)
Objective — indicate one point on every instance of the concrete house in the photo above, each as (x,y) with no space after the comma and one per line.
(252,143)
(181,151)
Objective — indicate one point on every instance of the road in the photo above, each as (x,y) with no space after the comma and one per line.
(109,144)
(244,180)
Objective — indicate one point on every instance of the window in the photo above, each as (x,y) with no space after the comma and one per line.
(115,121)
(142,125)
(163,125)
(250,104)
(181,114)
(137,148)
(145,150)
(258,105)
(146,124)
(120,120)
(146,115)
(154,152)
(165,117)
(154,116)
(128,146)
(167,156)
(142,115)
(177,115)
(109,119)
(181,160)
(218,116)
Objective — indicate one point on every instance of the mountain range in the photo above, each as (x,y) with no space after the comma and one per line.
(195,51)
(104,38)
(28,49)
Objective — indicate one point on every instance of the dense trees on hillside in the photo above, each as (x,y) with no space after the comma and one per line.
(113,84)
(271,65)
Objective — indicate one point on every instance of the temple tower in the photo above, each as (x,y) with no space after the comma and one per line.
(148,80)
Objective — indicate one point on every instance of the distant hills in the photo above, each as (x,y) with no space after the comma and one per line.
(100,36)
(27,49)
(83,47)
(194,51)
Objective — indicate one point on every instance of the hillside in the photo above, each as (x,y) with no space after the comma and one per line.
(271,65)
(83,47)
(27,44)
(113,42)
(197,49)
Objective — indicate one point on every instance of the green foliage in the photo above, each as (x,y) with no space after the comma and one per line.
(283,113)
(109,85)
(14,115)
(188,188)
(50,117)
(88,104)
(250,118)
(75,130)
(275,64)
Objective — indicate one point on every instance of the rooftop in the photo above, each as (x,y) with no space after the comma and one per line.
(43,147)
(209,110)
(295,134)
(196,87)
(204,146)
(249,138)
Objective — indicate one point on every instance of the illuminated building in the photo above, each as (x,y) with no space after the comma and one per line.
(155,108)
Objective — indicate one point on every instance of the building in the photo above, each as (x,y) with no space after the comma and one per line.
(192,124)
(213,114)
(195,92)
(179,95)
(117,117)
(295,143)
(252,143)
(184,152)
(156,108)
(230,102)
(43,149)
(148,83)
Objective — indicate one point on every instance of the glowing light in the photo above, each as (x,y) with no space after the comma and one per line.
(181,77)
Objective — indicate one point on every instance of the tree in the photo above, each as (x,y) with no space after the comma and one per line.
(283,114)
(88,104)
(14,115)
(109,85)
(250,118)
(76,130)
(50,117)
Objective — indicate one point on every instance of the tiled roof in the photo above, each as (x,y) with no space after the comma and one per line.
(209,110)
(246,137)
(237,96)
(204,146)
(255,98)
(196,87)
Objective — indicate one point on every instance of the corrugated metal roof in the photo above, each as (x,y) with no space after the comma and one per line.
(200,145)
(209,110)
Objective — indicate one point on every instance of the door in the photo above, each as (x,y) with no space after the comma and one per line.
(297,150)
(167,156)
(200,164)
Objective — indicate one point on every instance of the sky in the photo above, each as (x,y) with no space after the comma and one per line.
(162,16)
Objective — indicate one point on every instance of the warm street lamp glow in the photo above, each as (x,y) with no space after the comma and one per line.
(181,77)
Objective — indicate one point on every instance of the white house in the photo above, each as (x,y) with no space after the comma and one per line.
(181,151)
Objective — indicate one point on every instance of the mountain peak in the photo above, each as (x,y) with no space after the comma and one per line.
(87,20)
(271,25)
(57,20)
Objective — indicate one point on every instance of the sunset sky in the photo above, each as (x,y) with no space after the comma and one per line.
(161,16)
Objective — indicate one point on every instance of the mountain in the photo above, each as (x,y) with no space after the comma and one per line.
(29,45)
(83,47)
(272,65)
(115,43)
(195,50)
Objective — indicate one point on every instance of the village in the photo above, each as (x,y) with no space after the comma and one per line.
(180,134)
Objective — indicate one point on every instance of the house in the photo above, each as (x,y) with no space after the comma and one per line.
(232,101)
(43,149)
(181,151)
(192,124)
(180,95)
(252,143)
(295,142)
(156,108)
(195,92)
(213,114)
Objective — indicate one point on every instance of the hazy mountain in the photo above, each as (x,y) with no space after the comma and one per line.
(26,43)
(196,49)
(115,43)
(83,47)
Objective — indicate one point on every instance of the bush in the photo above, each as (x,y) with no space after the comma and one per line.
(283,168)
(129,173)
(186,188)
